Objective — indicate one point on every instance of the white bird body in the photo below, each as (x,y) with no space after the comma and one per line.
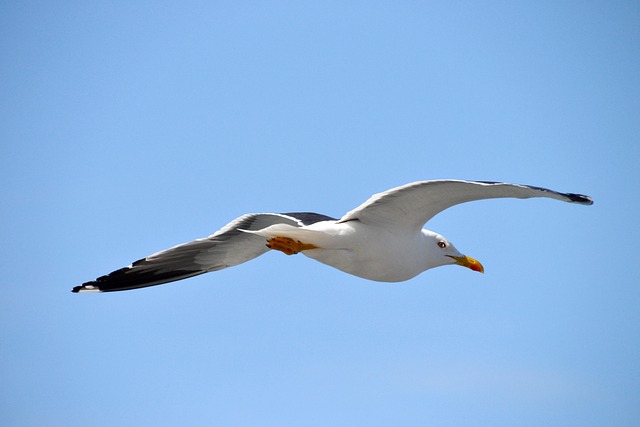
(361,249)
(381,240)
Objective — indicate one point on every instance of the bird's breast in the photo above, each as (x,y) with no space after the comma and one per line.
(372,253)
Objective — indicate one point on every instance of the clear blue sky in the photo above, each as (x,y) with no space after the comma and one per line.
(129,127)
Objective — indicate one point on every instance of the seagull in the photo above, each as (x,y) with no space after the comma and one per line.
(380,240)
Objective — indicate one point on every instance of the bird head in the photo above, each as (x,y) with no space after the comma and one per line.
(442,252)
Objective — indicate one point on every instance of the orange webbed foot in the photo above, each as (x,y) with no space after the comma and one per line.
(288,246)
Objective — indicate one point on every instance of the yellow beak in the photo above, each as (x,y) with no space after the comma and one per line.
(468,262)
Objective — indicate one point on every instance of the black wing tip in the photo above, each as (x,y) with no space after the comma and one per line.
(580,198)
(573,197)
(119,280)
(86,287)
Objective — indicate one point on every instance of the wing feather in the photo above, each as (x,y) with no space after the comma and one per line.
(410,206)
(224,248)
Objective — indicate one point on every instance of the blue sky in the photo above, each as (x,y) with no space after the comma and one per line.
(129,127)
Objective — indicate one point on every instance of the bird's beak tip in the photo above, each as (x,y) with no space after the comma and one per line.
(469,262)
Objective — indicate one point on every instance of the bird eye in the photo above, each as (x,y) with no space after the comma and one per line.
(442,244)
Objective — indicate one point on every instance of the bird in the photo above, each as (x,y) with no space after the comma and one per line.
(381,240)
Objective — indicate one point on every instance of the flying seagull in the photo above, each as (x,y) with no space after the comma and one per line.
(381,240)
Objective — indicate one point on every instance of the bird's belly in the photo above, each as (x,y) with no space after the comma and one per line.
(381,263)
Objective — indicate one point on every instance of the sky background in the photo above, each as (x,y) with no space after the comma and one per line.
(129,127)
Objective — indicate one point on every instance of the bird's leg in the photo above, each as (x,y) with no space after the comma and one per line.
(288,246)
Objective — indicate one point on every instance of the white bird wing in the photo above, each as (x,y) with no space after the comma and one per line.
(225,248)
(410,206)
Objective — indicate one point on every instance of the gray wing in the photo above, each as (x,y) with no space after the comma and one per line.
(225,248)
(410,206)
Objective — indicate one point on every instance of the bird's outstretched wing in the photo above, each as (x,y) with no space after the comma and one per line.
(225,248)
(410,206)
